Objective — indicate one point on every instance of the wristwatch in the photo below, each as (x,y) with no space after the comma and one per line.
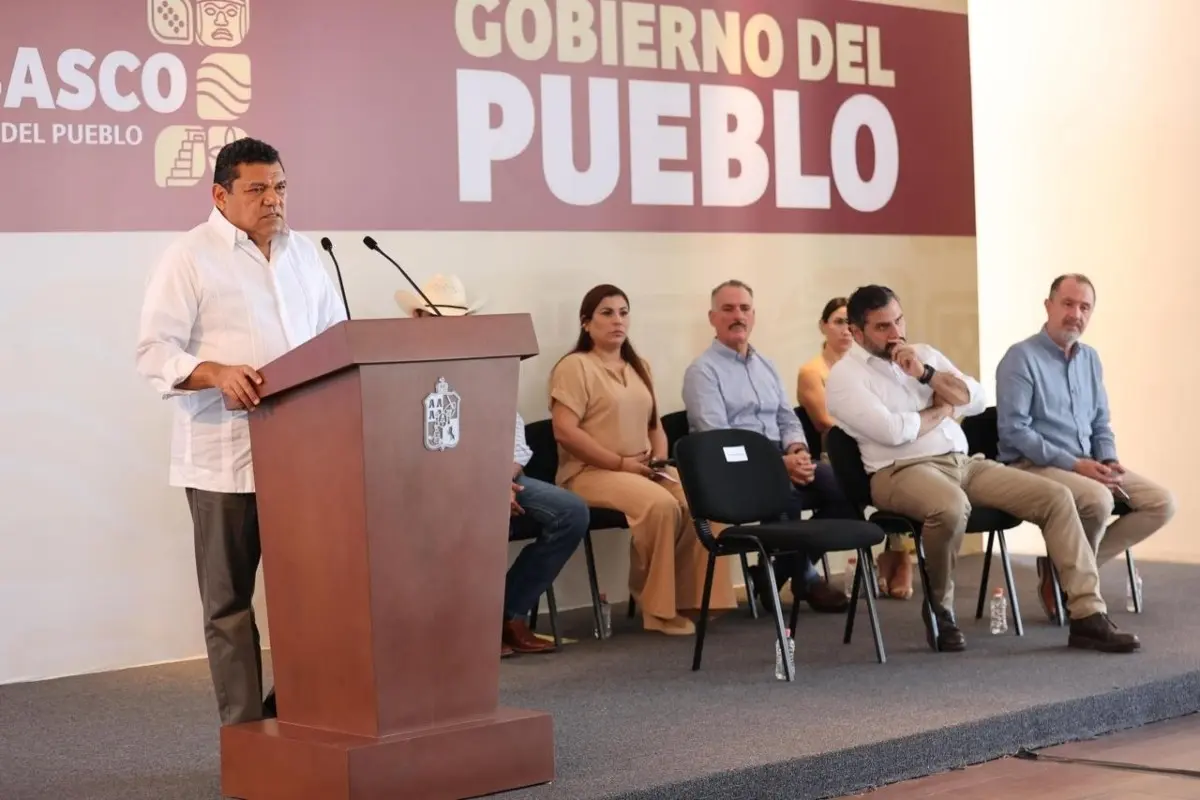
(928,376)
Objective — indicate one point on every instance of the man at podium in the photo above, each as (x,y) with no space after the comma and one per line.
(232,294)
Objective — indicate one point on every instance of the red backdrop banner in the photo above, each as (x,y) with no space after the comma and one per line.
(721,115)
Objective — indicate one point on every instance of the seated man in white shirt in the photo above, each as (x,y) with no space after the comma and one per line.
(232,294)
(899,401)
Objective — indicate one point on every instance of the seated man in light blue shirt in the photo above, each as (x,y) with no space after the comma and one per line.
(1053,419)
(732,386)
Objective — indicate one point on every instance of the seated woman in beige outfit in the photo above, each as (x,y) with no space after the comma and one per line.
(895,565)
(606,423)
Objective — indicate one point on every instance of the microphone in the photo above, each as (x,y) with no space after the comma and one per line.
(373,245)
(328,245)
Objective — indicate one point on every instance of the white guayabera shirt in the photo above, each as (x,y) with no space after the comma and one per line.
(214,297)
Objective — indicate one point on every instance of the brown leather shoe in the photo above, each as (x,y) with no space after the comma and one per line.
(516,634)
(505,651)
(824,598)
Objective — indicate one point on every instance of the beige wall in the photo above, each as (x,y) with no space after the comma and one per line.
(1087,115)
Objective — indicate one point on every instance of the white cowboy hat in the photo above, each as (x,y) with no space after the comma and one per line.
(445,292)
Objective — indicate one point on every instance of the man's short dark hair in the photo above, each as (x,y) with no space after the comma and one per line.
(1078,277)
(238,152)
(865,300)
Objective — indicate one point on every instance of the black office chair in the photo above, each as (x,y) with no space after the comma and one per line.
(736,478)
(983,437)
(544,466)
(813,437)
(846,459)
(811,434)
(675,426)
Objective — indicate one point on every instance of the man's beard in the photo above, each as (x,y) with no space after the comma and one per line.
(886,350)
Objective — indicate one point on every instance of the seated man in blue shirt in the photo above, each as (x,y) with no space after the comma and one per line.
(1053,419)
(560,519)
(731,385)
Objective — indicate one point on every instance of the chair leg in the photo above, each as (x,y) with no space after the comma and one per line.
(533,614)
(702,623)
(872,577)
(852,611)
(983,580)
(593,583)
(825,566)
(749,586)
(781,635)
(1131,568)
(552,604)
(926,600)
(1011,583)
(872,612)
(795,614)
(1060,613)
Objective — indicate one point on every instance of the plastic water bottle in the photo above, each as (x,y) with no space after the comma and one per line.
(999,612)
(848,575)
(1130,590)
(605,631)
(780,675)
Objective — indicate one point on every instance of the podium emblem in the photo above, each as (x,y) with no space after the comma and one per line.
(442,407)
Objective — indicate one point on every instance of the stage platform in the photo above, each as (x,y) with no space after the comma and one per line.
(632,720)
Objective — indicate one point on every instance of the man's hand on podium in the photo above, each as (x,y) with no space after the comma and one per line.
(238,384)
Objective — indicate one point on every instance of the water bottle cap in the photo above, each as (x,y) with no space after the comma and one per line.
(603,597)
(998,593)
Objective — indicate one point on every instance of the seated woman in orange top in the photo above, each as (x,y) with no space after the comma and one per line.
(606,422)
(895,566)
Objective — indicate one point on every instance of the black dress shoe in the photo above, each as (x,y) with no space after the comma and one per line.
(823,598)
(269,711)
(950,637)
(1097,632)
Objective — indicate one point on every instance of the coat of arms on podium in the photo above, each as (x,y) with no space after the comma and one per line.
(442,407)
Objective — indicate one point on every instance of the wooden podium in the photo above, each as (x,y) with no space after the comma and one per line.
(384,550)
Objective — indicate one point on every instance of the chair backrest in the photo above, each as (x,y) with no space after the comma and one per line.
(540,438)
(811,434)
(733,477)
(846,460)
(982,435)
(675,426)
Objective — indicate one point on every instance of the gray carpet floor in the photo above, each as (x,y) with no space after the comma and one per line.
(632,720)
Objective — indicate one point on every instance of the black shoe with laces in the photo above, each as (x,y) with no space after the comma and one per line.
(1097,632)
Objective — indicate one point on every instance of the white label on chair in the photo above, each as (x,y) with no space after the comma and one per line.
(735,454)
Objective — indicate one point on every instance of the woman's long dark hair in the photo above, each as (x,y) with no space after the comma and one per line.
(592,301)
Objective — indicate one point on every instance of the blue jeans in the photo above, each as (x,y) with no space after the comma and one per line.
(559,520)
(825,497)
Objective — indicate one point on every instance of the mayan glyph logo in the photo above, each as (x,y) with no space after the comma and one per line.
(183,154)
(442,408)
